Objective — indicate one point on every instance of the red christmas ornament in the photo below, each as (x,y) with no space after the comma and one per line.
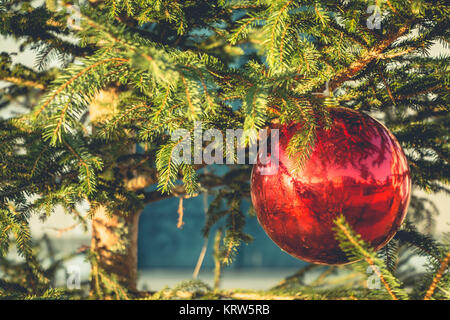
(357,168)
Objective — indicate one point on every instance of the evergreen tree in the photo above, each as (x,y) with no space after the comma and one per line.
(98,129)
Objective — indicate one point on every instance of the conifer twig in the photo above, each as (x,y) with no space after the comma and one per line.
(367,258)
(206,240)
(437,277)
(79,74)
(371,55)
(21,82)
(180,213)
(217,260)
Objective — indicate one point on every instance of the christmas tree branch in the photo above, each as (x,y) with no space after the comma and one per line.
(207,181)
(23,82)
(373,54)
(352,244)
(75,77)
(367,256)
(437,277)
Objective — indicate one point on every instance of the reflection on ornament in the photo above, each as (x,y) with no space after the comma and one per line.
(357,168)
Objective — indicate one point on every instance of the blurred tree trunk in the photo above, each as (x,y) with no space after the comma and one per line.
(114,234)
(114,242)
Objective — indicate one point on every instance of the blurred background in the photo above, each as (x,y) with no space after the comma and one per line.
(167,254)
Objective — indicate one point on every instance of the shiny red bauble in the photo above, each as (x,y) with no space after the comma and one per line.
(357,169)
